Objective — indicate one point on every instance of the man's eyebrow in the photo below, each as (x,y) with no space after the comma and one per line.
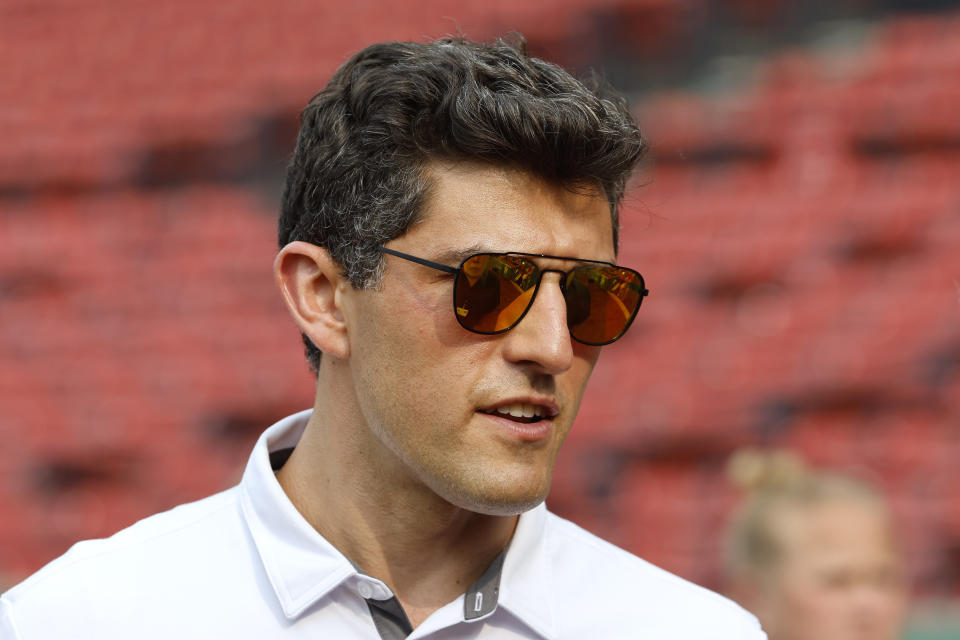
(454,256)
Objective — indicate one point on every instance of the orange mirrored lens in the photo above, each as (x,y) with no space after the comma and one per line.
(494,291)
(601,302)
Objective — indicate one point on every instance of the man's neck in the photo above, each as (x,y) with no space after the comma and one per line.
(390,524)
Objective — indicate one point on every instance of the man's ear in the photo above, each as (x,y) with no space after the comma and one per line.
(312,286)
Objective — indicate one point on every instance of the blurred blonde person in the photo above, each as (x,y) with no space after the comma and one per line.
(813,554)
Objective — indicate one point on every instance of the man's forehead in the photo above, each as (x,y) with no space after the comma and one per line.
(514,175)
(470,207)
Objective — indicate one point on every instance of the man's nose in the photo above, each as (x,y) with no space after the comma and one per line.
(542,338)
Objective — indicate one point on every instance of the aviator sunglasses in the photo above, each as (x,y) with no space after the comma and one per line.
(492,292)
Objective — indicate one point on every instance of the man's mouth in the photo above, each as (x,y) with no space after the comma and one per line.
(520,412)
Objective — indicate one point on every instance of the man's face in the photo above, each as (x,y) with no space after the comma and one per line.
(839,577)
(428,390)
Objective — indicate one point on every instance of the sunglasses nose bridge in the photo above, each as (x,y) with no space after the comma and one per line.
(562,274)
(561,281)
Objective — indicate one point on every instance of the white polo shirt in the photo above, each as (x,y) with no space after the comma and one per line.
(245,564)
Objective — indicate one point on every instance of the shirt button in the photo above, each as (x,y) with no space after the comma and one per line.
(366,591)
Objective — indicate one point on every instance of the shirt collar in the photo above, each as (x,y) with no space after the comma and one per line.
(303,566)
(526,585)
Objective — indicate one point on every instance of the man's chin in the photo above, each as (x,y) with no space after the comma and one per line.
(493,503)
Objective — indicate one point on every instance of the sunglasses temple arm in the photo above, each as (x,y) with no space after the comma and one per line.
(426,263)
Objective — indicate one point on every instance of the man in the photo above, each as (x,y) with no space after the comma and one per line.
(409,501)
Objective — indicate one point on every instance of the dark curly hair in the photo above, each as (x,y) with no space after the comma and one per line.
(357,177)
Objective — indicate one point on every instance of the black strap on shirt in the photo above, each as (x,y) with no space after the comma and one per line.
(479,600)
(389,618)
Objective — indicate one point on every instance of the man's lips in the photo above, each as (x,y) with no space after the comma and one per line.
(523,411)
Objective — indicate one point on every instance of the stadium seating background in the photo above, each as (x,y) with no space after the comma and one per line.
(798,225)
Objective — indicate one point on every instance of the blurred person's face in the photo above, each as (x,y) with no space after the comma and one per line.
(839,576)
(473,268)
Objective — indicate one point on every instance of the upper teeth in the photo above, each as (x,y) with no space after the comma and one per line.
(520,410)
